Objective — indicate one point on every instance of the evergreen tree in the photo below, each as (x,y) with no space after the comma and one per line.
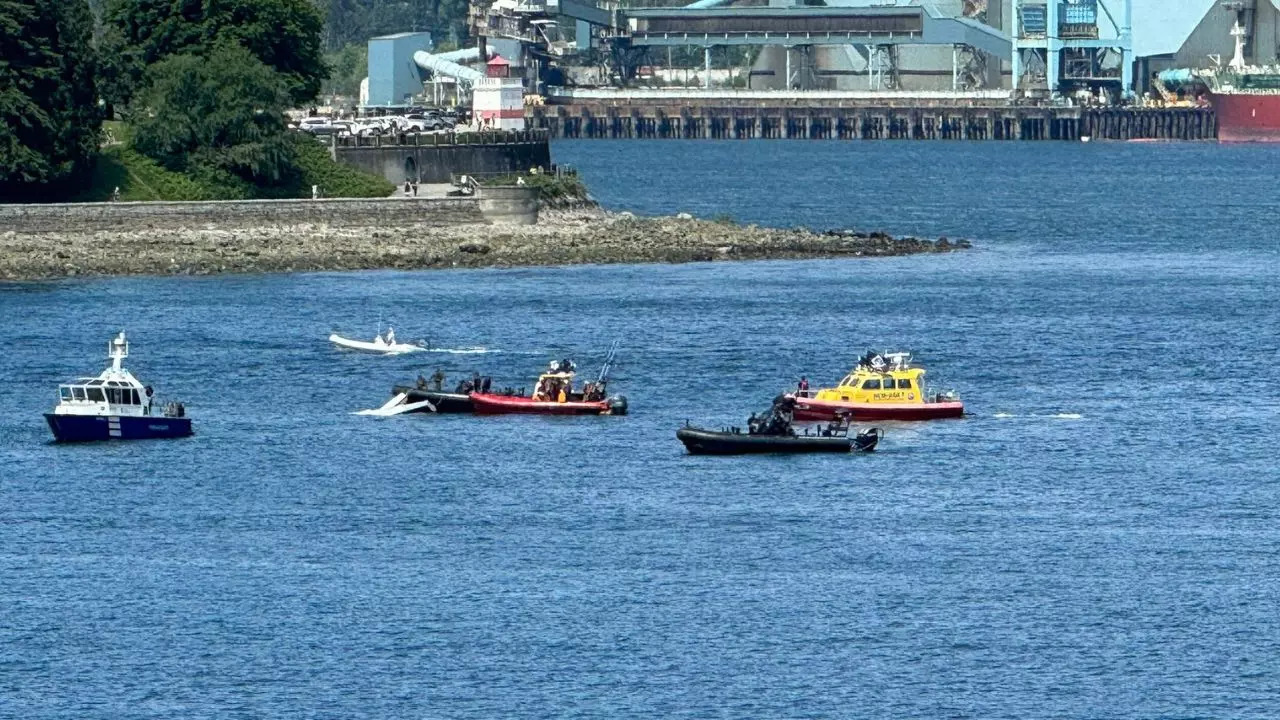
(283,34)
(355,21)
(347,68)
(49,119)
(218,115)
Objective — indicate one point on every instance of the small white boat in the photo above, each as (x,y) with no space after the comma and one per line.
(385,345)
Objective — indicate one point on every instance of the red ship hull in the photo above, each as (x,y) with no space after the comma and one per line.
(1247,117)
(485,404)
(812,409)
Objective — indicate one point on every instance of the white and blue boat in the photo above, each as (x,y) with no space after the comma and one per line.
(113,406)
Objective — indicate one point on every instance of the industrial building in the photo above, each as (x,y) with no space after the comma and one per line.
(394,78)
(902,46)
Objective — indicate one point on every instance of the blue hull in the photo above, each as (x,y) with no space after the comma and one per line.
(88,428)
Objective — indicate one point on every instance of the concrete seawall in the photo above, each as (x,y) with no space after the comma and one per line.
(509,205)
(435,157)
(107,217)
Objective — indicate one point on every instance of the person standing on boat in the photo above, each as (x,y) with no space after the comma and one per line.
(802,388)
(438,379)
(391,336)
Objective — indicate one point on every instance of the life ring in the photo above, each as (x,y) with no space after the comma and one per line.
(911,396)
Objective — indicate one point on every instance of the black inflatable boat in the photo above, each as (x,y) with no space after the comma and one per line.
(440,402)
(772,432)
(729,442)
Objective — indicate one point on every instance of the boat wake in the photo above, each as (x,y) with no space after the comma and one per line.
(477,350)
(1054,416)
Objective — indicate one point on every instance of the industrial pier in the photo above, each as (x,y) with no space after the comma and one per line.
(844,69)
(870,122)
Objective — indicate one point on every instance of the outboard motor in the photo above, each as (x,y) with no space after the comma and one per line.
(618,405)
(867,440)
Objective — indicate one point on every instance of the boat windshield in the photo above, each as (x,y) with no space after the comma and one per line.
(108,394)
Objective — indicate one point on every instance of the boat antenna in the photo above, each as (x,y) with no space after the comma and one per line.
(608,363)
(117,350)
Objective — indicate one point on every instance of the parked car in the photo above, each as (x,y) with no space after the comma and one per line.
(442,119)
(369,127)
(419,123)
(316,125)
(423,122)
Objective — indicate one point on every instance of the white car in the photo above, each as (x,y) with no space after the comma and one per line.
(316,125)
(415,123)
(368,127)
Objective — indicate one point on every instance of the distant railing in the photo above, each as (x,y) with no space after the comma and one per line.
(677,93)
(431,139)
(469,181)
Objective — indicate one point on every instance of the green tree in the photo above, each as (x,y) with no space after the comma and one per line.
(219,116)
(347,68)
(355,21)
(49,120)
(283,34)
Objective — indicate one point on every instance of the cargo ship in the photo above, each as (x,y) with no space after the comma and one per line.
(1245,98)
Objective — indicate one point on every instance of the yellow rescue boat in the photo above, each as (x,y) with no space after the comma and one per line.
(881,387)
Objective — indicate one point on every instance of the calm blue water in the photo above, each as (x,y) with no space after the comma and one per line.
(1100,539)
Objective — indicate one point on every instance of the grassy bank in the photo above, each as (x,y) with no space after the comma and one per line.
(141,178)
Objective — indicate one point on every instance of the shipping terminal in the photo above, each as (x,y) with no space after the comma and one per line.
(842,69)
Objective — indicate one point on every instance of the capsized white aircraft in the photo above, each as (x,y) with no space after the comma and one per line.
(384,345)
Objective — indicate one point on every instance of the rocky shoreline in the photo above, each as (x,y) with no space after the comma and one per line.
(561,237)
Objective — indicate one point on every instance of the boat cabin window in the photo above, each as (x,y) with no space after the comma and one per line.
(95,394)
(122,396)
(64,393)
(904,383)
(78,393)
(871,384)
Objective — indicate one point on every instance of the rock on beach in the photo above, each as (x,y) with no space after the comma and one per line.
(559,238)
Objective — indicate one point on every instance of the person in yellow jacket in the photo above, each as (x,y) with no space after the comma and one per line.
(562,396)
